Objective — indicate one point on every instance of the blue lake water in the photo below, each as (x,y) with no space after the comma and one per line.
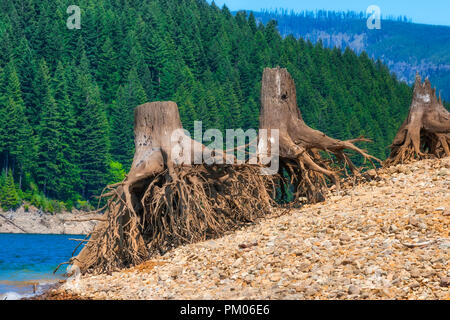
(26,259)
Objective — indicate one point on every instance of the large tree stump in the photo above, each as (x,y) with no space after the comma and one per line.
(166,201)
(300,145)
(425,132)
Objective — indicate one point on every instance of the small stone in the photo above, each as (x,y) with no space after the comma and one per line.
(247,245)
(413,221)
(345,237)
(311,291)
(385,292)
(445,282)
(444,245)
(415,273)
(237,262)
(422,225)
(175,273)
(275,277)
(347,261)
(365,295)
(353,290)
(393,228)
(304,266)
(420,211)
(372,173)
(270,243)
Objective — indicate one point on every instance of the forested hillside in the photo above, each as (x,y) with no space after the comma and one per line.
(67,96)
(404,46)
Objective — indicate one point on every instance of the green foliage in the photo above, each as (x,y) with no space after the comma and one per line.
(83,205)
(9,198)
(67,96)
(117,173)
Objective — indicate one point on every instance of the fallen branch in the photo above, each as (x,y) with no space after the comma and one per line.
(85,219)
(15,225)
(419,244)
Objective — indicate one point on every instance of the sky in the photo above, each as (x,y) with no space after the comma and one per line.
(422,11)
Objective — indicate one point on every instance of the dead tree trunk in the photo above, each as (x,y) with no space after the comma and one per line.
(300,145)
(425,132)
(166,201)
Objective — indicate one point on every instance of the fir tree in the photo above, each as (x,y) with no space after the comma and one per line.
(67,96)
(9,198)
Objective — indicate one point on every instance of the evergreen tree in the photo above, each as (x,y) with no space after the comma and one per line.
(9,198)
(67,96)
(48,172)
(122,119)
(17,141)
(94,143)
(107,73)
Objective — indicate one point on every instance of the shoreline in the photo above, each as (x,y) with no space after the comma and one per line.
(54,292)
(35,221)
(27,289)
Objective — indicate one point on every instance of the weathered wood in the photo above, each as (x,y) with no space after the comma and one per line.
(166,199)
(425,132)
(300,144)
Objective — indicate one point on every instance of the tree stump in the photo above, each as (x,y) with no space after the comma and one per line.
(166,201)
(300,145)
(425,133)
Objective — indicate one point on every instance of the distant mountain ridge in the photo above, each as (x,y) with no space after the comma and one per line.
(404,46)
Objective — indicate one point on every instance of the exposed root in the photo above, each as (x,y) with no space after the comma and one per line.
(178,206)
(307,156)
(426,131)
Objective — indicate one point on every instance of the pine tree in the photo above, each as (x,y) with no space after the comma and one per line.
(122,119)
(48,172)
(27,71)
(70,172)
(9,198)
(120,134)
(107,73)
(94,143)
(18,143)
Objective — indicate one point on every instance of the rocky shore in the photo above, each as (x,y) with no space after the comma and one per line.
(385,239)
(36,221)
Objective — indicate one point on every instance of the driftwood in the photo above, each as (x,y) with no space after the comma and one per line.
(300,146)
(425,133)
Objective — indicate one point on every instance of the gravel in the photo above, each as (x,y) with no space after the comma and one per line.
(385,239)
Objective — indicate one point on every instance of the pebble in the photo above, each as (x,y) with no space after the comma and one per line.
(353,290)
(445,282)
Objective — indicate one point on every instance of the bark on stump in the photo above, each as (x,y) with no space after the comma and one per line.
(164,203)
(300,145)
(425,133)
